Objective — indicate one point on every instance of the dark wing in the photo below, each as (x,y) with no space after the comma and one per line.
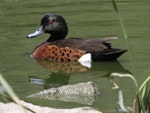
(88,45)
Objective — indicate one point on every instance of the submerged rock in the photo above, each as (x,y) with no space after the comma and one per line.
(83,93)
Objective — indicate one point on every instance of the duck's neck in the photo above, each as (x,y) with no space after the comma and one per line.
(56,36)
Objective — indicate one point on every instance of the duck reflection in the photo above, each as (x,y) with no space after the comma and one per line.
(65,67)
(74,67)
(108,67)
(61,71)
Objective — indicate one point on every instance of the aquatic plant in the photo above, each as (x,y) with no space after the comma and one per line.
(142,99)
(125,35)
(143,92)
(11,94)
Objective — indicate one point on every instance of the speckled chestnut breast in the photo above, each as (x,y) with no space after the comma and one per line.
(47,51)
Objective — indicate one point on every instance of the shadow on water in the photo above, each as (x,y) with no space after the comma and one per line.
(60,72)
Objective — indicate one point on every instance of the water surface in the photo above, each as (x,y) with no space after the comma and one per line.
(85,18)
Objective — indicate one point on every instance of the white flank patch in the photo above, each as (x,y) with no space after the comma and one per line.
(85,60)
(31,56)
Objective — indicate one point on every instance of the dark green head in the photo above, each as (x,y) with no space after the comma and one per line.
(53,24)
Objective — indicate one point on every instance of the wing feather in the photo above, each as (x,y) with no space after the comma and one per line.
(89,45)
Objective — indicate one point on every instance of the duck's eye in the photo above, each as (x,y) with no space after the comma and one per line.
(51,22)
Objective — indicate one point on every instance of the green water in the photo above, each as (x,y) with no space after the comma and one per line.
(85,18)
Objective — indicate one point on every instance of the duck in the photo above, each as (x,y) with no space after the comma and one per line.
(59,48)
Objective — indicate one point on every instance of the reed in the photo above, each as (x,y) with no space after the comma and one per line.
(125,35)
(142,99)
(11,96)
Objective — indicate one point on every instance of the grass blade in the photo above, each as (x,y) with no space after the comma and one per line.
(144,83)
(11,92)
(124,32)
(115,6)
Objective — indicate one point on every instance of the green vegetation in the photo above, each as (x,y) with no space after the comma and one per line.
(124,32)
(143,92)
(142,96)
(11,94)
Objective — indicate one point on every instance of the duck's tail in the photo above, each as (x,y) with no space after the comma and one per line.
(108,54)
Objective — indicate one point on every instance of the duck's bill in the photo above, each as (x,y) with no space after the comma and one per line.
(39,31)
